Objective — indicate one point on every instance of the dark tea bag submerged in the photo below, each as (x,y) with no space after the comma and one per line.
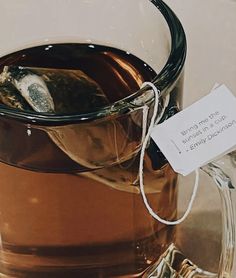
(61,91)
(57,91)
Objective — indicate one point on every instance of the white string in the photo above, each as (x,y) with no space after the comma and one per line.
(145,142)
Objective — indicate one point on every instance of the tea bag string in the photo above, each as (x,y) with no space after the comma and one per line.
(144,145)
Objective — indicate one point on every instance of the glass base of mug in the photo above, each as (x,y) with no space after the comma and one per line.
(173,264)
(125,260)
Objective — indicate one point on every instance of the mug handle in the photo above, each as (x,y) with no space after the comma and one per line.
(173,264)
(223,173)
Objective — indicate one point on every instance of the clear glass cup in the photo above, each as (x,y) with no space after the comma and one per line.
(69,195)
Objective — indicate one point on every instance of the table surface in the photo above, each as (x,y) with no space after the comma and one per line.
(210,26)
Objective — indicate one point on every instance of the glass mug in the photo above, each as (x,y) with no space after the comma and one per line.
(70,204)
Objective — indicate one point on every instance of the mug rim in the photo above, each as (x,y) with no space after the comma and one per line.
(163,81)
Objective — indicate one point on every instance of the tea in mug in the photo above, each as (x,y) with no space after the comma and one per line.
(68,209)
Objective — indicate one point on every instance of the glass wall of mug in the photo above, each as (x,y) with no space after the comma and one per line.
(69,195)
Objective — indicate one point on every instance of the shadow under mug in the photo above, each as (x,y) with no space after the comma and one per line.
(69,195)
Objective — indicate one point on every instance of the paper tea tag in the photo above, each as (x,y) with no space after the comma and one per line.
(199,133)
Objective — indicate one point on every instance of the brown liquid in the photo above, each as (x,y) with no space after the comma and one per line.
(58,221)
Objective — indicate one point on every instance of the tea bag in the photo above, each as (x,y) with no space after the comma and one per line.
(61,91)
(95,145)
(57,91)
